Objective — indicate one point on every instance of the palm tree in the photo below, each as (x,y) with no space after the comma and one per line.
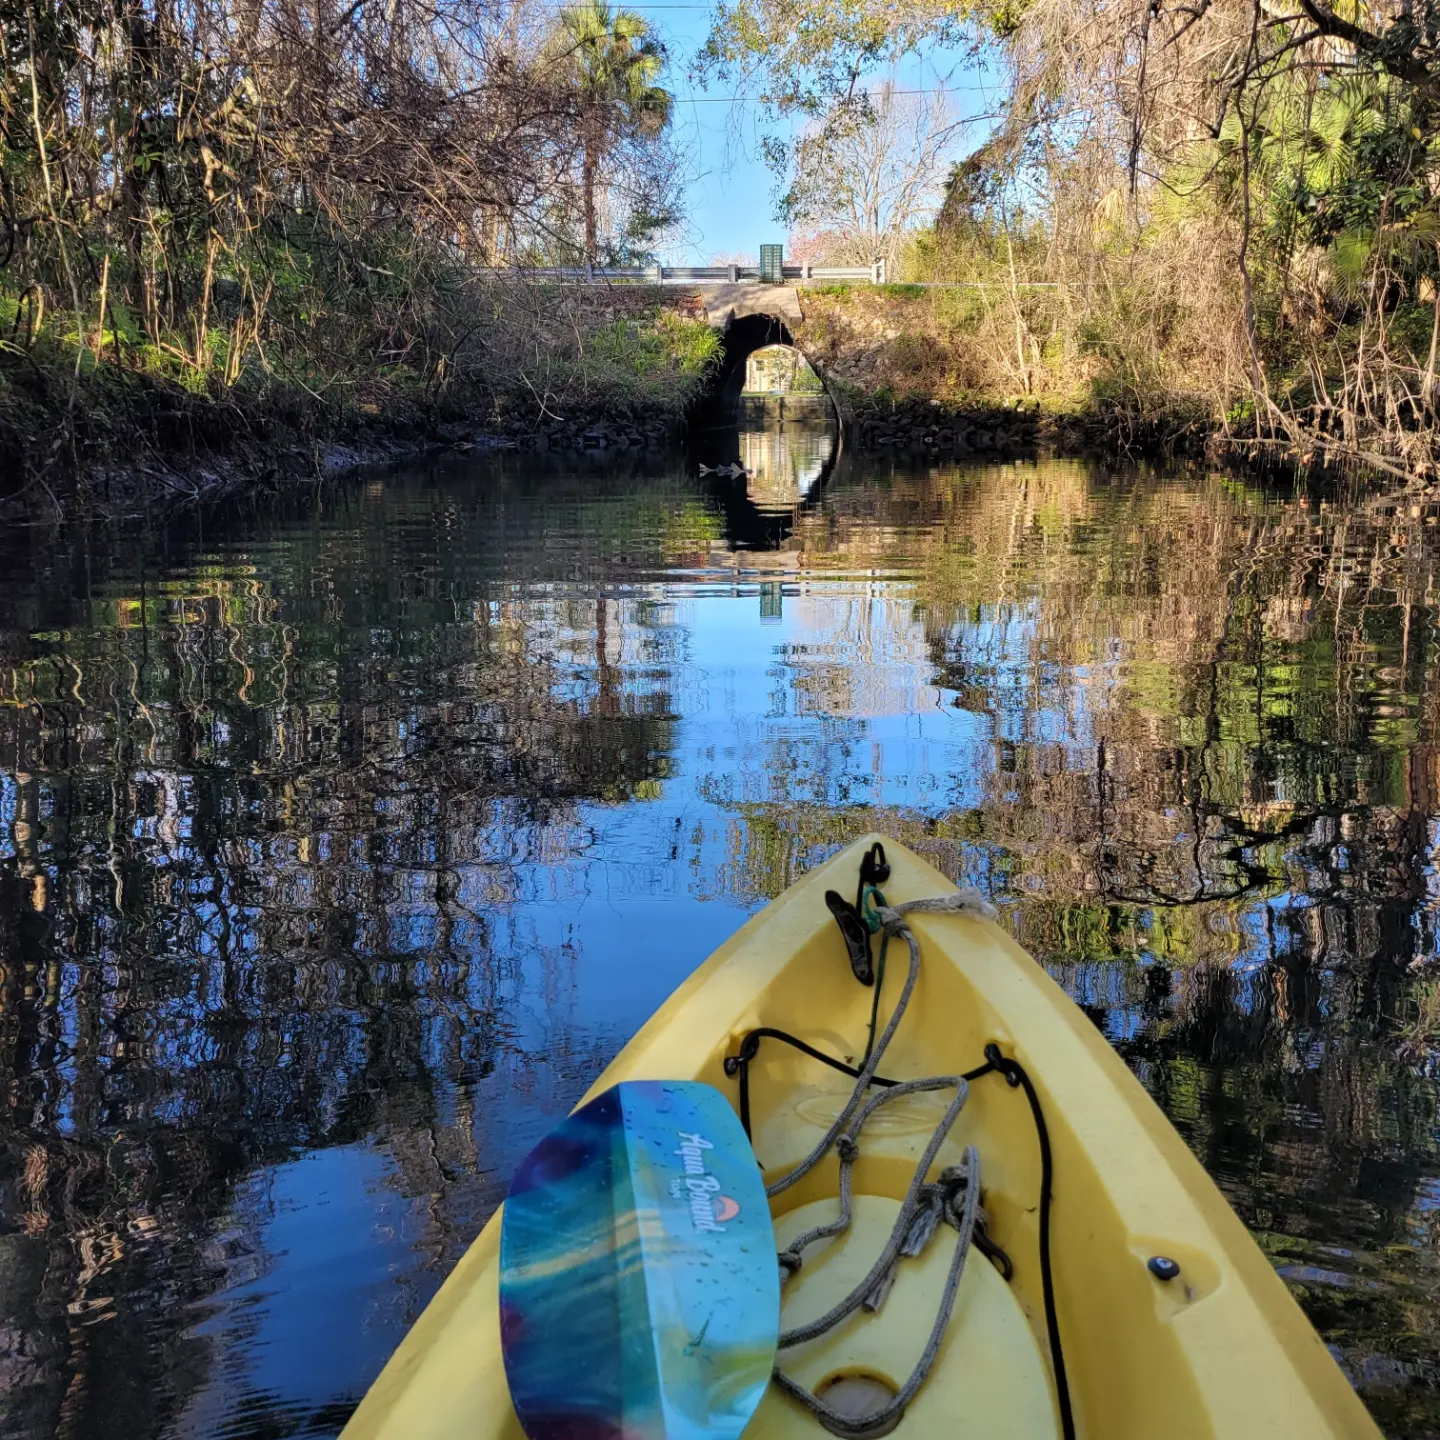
(615,62)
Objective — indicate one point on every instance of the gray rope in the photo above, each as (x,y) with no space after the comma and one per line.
(848,1146)
(862,1081)
(908,1207)
(954,1197)
(893,918)
(965,1178)
(963,902)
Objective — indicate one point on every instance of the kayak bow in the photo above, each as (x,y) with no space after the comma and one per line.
(1171,1323)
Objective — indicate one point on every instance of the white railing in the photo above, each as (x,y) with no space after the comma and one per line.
(700,274)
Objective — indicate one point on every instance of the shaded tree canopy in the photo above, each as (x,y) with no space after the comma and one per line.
(1237,201)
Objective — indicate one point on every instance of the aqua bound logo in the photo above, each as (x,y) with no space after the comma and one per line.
(709,1210)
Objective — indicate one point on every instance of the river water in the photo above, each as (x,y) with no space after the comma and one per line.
(341,846)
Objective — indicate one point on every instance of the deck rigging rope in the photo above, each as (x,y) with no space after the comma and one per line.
(963,900)
(954,1197)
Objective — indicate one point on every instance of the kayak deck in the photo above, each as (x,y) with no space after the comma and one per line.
(990,1368)
(1219,1350)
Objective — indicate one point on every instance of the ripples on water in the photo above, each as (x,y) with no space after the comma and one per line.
(338,853)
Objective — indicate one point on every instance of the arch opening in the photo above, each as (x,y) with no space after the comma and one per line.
(744,337)
(781,371)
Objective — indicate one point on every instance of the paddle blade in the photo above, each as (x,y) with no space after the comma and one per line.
(639,1294)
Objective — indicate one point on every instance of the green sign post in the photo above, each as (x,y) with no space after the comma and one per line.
(772,264)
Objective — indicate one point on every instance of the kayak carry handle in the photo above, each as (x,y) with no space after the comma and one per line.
(874,870)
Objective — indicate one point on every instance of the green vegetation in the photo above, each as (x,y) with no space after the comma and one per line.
(79,419)
(616,65)
(224,235)
(247,236)
(1278,280)
(1224,218)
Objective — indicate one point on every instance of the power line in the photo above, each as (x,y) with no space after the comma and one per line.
(756,100)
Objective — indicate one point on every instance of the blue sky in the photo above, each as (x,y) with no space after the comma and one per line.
(731,191)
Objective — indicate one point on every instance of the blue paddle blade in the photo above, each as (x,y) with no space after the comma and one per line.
(639,1294)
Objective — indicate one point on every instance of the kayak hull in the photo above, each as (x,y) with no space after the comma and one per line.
(1220,1350)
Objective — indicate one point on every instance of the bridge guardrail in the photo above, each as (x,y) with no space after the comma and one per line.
(738,274)
(699,274)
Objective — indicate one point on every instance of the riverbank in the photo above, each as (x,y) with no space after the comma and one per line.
(979,368)
(121,425)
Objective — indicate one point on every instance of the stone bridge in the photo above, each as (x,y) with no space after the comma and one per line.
(869,345)
(750,317)
(851,339)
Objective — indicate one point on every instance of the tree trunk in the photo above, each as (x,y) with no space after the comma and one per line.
(1429,390)
(1021,328)
(587,189)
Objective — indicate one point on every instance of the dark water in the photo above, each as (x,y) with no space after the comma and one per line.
(338,851)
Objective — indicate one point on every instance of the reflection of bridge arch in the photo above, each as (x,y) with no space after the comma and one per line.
(785,466)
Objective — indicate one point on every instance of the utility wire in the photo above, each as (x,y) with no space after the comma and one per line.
(756,100)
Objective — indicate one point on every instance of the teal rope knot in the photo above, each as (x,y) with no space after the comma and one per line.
(871,899)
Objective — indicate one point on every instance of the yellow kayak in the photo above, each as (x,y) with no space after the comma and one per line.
(1111,1293)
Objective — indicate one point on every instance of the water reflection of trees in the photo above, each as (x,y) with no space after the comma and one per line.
(270,825)
(1210,794)
(262,834)
(1196,698)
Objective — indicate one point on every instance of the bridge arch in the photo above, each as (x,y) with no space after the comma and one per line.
(744,337)
(751,318)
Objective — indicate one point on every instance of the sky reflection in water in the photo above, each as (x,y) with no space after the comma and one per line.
(338,852)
